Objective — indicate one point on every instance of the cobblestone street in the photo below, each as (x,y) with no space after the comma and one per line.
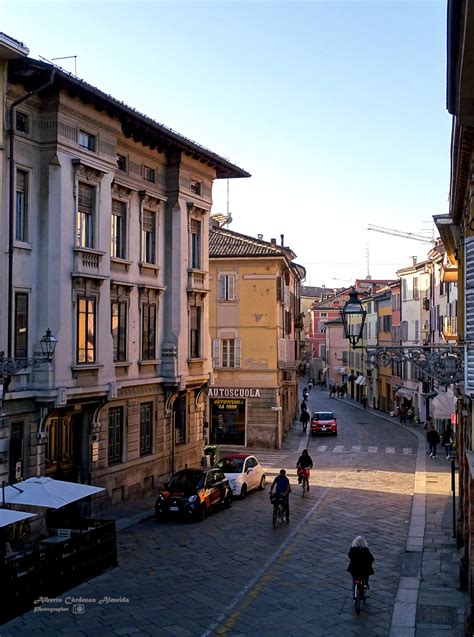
(235,575)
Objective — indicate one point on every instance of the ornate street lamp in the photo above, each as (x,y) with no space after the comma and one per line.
(353,318)
(11,366)
(48,344)
(444,363)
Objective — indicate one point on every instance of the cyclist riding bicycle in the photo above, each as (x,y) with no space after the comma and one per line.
(361,560)
(283,489)
(303,466)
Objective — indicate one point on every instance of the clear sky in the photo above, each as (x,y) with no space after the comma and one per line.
(337,109)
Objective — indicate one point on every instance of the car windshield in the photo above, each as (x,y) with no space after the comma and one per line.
(323,415)
(187,481)
(231,465)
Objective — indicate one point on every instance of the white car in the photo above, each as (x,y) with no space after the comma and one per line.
(244,473)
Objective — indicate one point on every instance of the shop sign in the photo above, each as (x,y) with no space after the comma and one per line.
(18,470)
(233,392)
(95,451)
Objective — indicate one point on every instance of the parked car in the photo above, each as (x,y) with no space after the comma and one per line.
(323,422)
(192,493)
(244,473)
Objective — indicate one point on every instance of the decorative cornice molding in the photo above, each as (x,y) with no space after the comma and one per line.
(120,190)
(88,171)
(151,201)
(196,210)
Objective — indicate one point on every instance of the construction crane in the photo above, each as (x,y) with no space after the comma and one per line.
(399,233)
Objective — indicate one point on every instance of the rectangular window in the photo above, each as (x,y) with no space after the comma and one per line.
(417,330)
(227,287)
(119,330)
(195,187)
(86,140)
(416,291)
(118,229)
(387,323)
(85,216)
(404,289)
(195,244)
(121,162)
(115,446)
(228,352)
(149,236)
(146,428)
(148,332)
(149,174)
(322,351)
(21,206)
(195,332)
(22,123)
(21,325)
(86,330)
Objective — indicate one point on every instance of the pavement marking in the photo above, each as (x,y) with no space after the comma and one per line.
(338,449)
(322,448)
(355,447)
(390,450)
(373,449)
(229,616)
(407,451)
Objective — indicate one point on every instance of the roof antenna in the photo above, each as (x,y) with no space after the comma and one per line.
(69,57)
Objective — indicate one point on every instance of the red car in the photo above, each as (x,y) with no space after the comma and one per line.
(323,422)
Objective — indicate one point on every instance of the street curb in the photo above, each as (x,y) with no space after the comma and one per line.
(125,523)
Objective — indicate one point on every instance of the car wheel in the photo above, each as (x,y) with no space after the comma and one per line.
(262,483)
(243,492)
(201,514)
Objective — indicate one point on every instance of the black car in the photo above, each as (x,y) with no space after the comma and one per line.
(192,493)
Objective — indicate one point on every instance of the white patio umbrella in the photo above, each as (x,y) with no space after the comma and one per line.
(10,517)
(48,493)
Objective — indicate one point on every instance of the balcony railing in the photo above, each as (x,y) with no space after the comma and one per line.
(87,262)
(197,281)
(450,328)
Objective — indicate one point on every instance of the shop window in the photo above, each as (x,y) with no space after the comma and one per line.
(179,410)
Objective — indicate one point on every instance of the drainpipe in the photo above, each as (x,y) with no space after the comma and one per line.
(11,216)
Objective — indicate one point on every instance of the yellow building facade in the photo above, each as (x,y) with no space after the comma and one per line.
(254,304)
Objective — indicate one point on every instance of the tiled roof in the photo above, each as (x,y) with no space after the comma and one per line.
(227,243)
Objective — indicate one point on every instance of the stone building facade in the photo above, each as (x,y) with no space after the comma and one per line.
(109,213)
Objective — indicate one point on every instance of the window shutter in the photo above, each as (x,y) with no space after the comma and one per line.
(282,349)
(148,221)
(215,352)
(469,312)
(118,208)
(222,288)
(86,198)
(195,226)
(237,353)
(20,181)
(279,281)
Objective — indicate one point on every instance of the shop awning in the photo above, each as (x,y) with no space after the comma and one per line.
(403,392)
(360,380)
(8,516)
(443,405)
(48,493)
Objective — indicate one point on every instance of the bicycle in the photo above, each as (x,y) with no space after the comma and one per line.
(279,509)
(359,593)
(303,475)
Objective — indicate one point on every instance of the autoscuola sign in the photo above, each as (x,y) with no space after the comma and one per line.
(233,392)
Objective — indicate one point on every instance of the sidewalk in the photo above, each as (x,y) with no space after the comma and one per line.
(429,602)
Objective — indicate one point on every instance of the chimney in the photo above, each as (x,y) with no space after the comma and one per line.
(260,237)
(273,241)
(414,260)
(282,237)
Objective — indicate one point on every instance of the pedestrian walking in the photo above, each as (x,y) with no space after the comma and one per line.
(338,391)
(364,401)
(304,405)
(428,423)
(304,419)
(410,414)
(403,415)
(433,440)
(447,441)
